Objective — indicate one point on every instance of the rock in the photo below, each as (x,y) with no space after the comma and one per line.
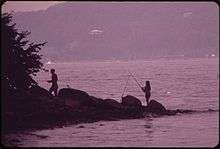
(184,111)
(70,93)
(75,98)
(74,106)
(131,101)
(171,112)
(37,91)
(156,107)
(100,104)
(72,103)
(97,100)
(132,107)
(113,103)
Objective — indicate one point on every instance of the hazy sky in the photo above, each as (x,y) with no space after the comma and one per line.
(27,5)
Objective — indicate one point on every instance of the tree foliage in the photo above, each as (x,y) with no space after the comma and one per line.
(20,57)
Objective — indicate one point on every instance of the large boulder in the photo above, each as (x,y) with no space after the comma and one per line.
(131,101)
(74,97)
(37,91)
(70,92)
(35,99)
(113,103)
(97,100)
(156,107)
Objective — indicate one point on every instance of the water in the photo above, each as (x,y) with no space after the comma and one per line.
(176,83)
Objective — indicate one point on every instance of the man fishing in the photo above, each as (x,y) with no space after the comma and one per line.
(146,90)
(54,86)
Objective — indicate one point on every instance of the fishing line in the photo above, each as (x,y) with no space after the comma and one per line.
(125,86)
(135,80)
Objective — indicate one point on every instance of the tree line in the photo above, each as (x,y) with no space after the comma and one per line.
(20,58)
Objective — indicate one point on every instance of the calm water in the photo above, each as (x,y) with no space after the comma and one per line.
(176,83)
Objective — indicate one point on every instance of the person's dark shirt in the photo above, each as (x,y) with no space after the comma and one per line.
(146,88)
(54,78)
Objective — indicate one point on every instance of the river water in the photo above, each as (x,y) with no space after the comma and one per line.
(176,83)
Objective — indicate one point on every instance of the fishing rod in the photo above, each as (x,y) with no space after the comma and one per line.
(125,86)
(135,80)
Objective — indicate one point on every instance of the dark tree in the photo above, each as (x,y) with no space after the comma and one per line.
(20,57)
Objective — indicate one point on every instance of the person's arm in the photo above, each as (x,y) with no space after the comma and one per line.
(143,89)
(49,81)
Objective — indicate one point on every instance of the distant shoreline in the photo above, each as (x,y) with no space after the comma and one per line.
(125,61)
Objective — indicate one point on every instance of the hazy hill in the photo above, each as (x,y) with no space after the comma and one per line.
(124,31)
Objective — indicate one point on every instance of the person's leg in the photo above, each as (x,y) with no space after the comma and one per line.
(147,96)
(55,91)
(52,89)
(146,99)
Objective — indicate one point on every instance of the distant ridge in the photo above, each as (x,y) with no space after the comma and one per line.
(88,31)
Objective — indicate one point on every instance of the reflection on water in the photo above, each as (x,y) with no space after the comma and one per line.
(148,128)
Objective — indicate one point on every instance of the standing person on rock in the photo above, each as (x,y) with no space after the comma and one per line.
(147,92)
(54,80)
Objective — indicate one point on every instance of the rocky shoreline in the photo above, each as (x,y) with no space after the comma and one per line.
(38,109)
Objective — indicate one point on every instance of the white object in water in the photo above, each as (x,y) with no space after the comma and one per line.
(49,62)
(187,14)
